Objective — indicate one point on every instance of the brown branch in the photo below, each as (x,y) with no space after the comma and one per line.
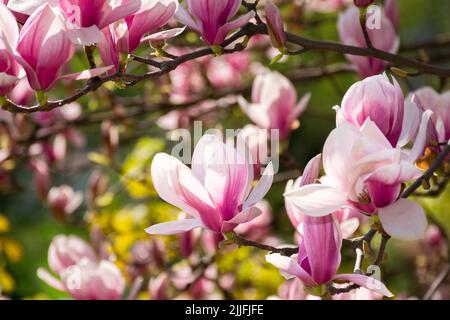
(286,251)
(249,30)
(429,173)
(437,282)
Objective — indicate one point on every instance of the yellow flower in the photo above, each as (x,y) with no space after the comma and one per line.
(4,224)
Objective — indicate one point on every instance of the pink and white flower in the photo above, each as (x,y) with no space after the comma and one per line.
(214,192)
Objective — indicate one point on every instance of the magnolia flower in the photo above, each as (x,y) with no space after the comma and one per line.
(215,192)
(319,254)
(84,18)
(63,201)
(81,274)
(365,172)
(9,68)
(378,99)
(346,217)
(41,177)
(428,99)
(275,25)
(319,257)
(382,36)
(43,48)
(211,18)
(65,251)
(363,3)
(228,71)
(274,103)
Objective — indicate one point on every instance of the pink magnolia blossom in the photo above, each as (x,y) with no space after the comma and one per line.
(228,71)
(275,25)
(44,47)
(211,18)
(319,257)
(274,103)
(383,37)
(158,287)
(84,18)
(319,254)
(9,68)
(428,99)
(366,173)
(392,11)
(378,99)
(81,274)
(215,192)
(65,251)
(63,201)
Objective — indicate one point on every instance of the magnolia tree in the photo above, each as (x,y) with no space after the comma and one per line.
(203,184)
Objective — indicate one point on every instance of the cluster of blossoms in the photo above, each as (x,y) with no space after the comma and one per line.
(382,141)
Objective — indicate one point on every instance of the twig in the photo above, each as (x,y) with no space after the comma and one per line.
(437,282)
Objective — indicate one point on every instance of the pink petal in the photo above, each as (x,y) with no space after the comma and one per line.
(312,171)
(367,282)
(245,216)
(226,28)
(404,219)
(87,74)
(174,227)
(164,35)
(421,138)
(301,106)
(261,188)
(317,200)
(49,279)
(289,267)
(185,18)
(8,26)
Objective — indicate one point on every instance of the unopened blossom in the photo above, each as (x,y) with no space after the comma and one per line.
(428,99)
(383,37)
(22,94)
(392,11)
(274,103)
(214,192)
(378,99)
(9,68)
(158,287)
(212,19)
(63,201)
(366,173)
(228,71)
(65,251)
(275,25)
